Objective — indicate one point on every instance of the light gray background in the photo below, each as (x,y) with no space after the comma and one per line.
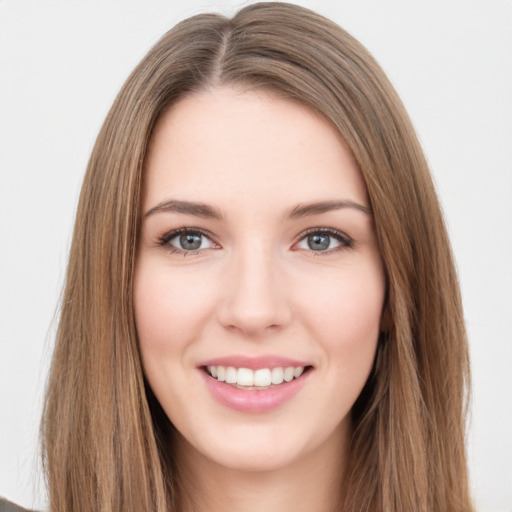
(61,65)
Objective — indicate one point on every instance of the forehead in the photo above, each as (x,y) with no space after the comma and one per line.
(246,146)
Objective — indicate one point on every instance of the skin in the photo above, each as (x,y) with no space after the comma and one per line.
(255,287)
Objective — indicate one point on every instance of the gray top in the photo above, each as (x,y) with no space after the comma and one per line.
(7,506)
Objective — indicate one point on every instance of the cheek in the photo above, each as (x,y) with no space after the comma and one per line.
(170,309)
(351,304)
(346,319)
(168,306)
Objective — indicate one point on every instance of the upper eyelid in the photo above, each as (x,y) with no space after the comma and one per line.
(345,241)
(179,231)
(325,230)
(165,239)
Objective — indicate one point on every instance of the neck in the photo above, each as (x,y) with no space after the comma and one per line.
(311,483)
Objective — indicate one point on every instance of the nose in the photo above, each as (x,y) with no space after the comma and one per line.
(254,297)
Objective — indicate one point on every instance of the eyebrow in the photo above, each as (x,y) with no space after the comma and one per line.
(188,207)
(304,210)
(207,211)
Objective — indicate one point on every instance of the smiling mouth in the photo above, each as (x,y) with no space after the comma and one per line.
(257,380)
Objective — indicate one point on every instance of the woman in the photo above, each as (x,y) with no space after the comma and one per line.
(327,256)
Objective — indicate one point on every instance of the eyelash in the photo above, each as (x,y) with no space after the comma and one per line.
(164,240)
(345,241)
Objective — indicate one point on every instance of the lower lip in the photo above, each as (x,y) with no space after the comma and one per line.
(251,400)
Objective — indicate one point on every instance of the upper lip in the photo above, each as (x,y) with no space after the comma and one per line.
(254,363)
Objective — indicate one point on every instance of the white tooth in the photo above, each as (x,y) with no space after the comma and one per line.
(288,373)
(221,373)
(245,377)
(213,371)
(298,371)
(277,375)
(262,377)
(230,375)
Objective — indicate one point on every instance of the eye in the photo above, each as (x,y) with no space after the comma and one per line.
(186,240)
(324,240)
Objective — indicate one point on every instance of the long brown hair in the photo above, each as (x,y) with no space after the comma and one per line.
(104,436)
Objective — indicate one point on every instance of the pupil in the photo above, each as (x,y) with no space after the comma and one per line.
(318,242)
(190,242)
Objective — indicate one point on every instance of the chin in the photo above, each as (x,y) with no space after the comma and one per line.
(262,448)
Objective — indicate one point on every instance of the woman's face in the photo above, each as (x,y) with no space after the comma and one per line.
(259,284)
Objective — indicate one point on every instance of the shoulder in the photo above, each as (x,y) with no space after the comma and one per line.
(7,506)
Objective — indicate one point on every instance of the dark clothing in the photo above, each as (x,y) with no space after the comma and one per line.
(7,506)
